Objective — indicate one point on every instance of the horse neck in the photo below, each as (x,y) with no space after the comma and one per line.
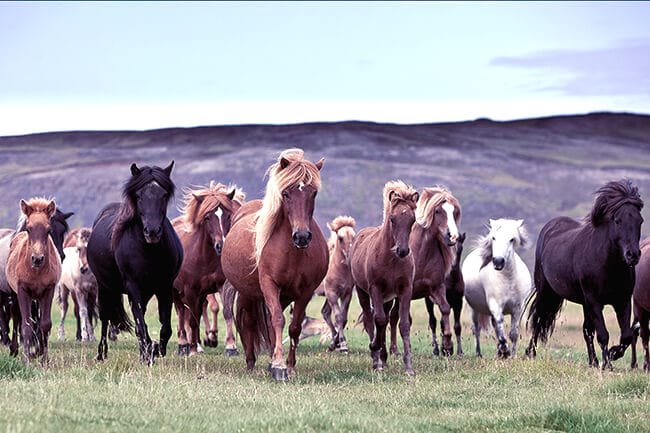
(386,236)
(433,245)
(338,258)
(598,237)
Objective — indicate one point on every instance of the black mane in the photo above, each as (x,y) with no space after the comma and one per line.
(611,197)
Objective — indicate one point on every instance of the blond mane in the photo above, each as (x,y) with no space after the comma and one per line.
(430,199)
(298,171)
(337,224)
(401,189)
(199,201)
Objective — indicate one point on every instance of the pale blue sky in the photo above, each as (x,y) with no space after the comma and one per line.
(125,65)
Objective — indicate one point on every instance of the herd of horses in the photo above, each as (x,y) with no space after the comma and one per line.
(263,255)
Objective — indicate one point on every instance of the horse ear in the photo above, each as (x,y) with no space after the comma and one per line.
(415,197)
(67,215)
(461,237)
(135,170)
(319,164)
(198,198)
(493,223)
(329,226)
(520,223)
(51,208)
(168,169)
(25,208)
(390,195)
(284,163)
(231,194)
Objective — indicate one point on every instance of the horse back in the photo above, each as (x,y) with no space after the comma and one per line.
(245,210)
(642,283)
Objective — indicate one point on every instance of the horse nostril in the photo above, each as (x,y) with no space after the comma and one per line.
(83,269)
(218,247)
(499,263)
(301,239)
(37,260)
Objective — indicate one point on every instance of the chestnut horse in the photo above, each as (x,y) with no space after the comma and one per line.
(134,249)
(77,280)
(276,254)
(432,239)
(33,269)
(8,302)
(641,297)
(210,316)
(202,227)
(592,264)
(338,282)
(382,269)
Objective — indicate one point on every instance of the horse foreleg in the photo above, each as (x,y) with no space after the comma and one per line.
(457,306)
(165,302)
(366,311)
(514,330)
(86,326)
(228,300)
(181,311)
(4,319)
(63,303)
(210,319)
(45,322)
(342,320)
(138,309)
(326,312)
(433,325)
(25,304)
(393,321)
(77,316)
(271,294)
(405,329)
(295,328)
(623,315)
(194,319)
(440,298)
(588,331)
(497,322)
(476,329)
(645,334)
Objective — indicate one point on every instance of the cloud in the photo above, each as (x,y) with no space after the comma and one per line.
(615,71)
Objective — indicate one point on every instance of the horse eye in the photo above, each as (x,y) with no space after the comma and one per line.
(285,194)
(512,241)
(493,238)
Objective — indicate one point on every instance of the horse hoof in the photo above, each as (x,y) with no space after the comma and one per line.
(436,351)
(210,343)
(232,351)
(447,352)
(395,352)
(646,367)
(409,372)
(280,374)
(183,349)
(616,352)
(531,352)
(343,350)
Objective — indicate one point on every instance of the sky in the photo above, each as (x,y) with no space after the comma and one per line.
(136,66)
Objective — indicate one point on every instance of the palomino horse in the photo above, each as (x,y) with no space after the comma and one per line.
(592,264)
(382,270)
(497,282)
(432,239)
(641,297)
(202,227)
(33,269)
(78,281)
(338,282)
(276,254)
(134,249)
(8,301)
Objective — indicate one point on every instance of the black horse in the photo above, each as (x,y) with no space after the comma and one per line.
(592,264)
(134,250)
(8,300)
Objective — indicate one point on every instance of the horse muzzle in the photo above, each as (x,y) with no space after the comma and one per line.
(218,247)
(632,258)
(301,238)
(498,263)
(402,252)
(37,261)
(152,236)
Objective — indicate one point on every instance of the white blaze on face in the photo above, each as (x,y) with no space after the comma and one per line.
(218,213)
(451,222)
(301,186)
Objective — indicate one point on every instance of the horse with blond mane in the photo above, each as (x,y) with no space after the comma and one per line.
(432,240)
(338,282)
(276,254)
(33,269)
(382,269)
(205,221)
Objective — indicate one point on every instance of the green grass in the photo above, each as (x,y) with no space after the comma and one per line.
(330,391)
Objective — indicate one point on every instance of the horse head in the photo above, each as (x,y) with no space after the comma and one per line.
(342,233)
(401,216)
(504,238)
(82,238)
(217,217)
(37,224)
(618,207)
(439,209)
(459,248)
(151,193)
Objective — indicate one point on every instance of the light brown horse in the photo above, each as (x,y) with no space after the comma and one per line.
(77,280)
(205,221)
(276,254)
(33,269)
(338,282)
(641,298)
(432,239)
(382,268)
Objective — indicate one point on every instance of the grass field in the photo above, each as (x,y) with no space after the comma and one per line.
(330,392)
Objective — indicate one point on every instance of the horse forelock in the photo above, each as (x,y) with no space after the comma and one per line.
(299,171)
(341,221)
(402,191)
(211,197)
(610,198)
(429,200)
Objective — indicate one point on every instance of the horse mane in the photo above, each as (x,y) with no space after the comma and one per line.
(610,198)
(299,170)
(126,212)
(337,224)
(403,191)
(425,212)
(198,201)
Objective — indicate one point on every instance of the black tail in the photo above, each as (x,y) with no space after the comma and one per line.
(543,311)
(93,312)
(111,308)
(257,318)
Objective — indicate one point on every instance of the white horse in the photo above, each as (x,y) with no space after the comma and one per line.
(498,282)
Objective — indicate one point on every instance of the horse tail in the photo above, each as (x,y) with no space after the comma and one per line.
(111,308)
(93,311)
(228,299)
(543,312)
(484,321)
(252,318)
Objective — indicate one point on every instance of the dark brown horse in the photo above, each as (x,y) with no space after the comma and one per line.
(33,269)
(455,288)
(641,297)
(383,267)
(202,227)
(338,282)
(276,254)
(592,264)
(432,239)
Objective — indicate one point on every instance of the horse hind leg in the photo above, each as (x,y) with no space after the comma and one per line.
(457,308)
(440,298)
(228,299)
(645,336)
(326,312)
(623,313)
(210,320)
(342,320)
(476,330)
(63,303)
(165,302)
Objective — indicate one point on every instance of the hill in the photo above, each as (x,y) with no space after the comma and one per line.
(533,169)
